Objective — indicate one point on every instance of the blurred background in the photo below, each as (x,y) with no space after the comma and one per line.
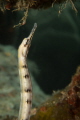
(55,51)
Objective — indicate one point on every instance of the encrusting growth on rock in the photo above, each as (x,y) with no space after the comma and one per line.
(63,105)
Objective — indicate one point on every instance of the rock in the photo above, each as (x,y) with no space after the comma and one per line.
(64,105)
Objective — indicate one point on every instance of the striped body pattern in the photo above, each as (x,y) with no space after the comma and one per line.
(25,81)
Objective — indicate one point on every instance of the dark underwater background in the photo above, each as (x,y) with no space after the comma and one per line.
(53,57)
